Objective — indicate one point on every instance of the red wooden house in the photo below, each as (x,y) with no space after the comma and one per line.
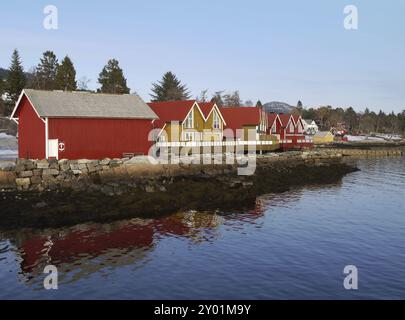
(245,119)
(289,129)
(75,125)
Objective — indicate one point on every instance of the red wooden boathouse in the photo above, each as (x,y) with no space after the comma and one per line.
(77,125)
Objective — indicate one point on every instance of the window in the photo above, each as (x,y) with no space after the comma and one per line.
(216,124)
(189,136)
(291,129)
(189,121)
(273,128)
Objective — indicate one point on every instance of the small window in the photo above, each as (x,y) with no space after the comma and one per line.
(291,127)
(189,136)
(189,121)
(216,124)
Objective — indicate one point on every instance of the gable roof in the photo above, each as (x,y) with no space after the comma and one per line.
(60,104)
(237,117)
(169,111)
(271,117)
(285,119)
(206,108)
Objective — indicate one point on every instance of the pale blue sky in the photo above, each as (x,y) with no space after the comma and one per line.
(268,50)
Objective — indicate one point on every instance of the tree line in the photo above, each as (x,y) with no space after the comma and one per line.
(365,122)
(50,74)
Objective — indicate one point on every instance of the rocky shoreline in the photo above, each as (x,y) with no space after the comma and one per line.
(57,193)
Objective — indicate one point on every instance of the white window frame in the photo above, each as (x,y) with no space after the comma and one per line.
(189,122)
(216,121)
(189,136)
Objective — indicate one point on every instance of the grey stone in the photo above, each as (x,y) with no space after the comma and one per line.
(105,162)
(37,172)
(19,167)
(42,164)
(36,180)
(53,172)
(74,167)
(82,166)
(25,174)
(83,161)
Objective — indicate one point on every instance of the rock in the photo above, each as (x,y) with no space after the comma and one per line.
(82,166)
(19,167)
(52,172)
(25,174)
(115,163)
(76,171)
(83,161)
(149,188)
(74,167)
(37,172)
(36,180)
(92,168)
(23,182)
(139,159)
(42,164)
(64,166)
(40,205)
(30,165)
(105,162)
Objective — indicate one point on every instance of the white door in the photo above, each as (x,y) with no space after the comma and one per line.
(53,146)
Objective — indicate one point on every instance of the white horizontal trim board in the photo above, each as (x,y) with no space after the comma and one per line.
(213,143)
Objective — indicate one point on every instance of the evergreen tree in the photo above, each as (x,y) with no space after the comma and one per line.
(45,72)
(169,89)
(16,79)
(259,104)
(65,78)
(299,104)
(232,99)
(112,79)
(217,98)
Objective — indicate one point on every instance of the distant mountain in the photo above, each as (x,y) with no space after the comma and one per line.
(278,107)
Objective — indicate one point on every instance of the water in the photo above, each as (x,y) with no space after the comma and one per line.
(293,245)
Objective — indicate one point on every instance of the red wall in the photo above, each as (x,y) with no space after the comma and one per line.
(31,132)
(100,138)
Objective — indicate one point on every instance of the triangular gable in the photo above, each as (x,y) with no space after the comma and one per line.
(17,105)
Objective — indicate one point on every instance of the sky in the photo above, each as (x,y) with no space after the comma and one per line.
(268,50)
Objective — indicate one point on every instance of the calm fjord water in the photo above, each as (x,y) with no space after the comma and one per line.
(293,245)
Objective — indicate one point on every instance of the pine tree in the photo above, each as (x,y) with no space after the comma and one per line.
(259,104)
(299,104)
(16,79)
(65,78)
(169,89)
(45,72)
(112,79)
(217,98)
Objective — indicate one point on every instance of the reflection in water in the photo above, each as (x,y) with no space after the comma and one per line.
(89,248)
(290,245)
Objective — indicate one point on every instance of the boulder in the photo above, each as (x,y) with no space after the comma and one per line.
(52,172)
(42,164)
(25,174)
(23,182)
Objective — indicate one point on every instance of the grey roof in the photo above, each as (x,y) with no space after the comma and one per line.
(308,121)
(59,104)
